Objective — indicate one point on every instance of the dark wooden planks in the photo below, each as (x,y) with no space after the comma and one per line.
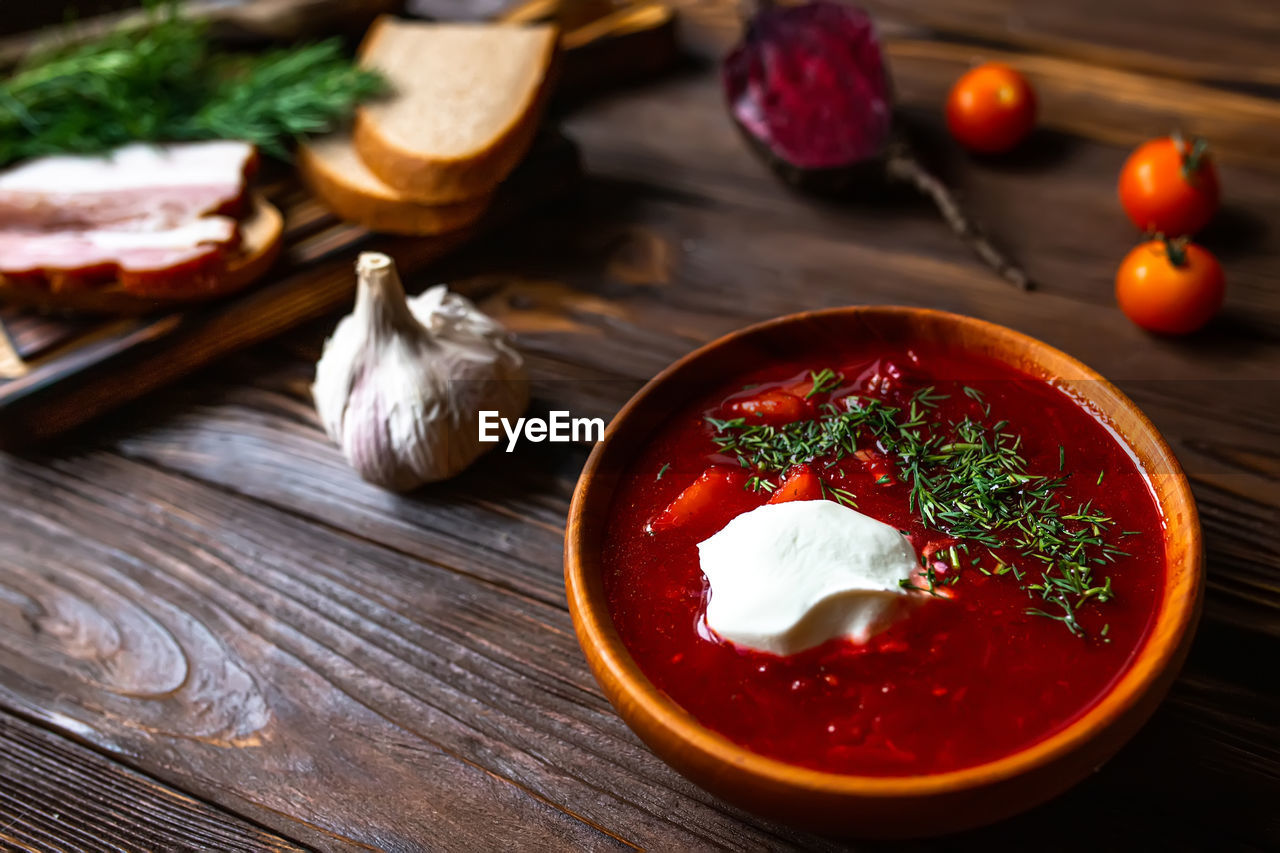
(1226,42)
(1099,102)
(188,680)
(1231,43)
(1054,207)
(500,523)
(45,780)
(337,691)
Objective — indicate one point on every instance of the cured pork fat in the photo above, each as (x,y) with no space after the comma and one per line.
(141,211)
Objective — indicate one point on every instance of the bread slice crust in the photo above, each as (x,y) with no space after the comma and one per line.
(443,179)
(380,209)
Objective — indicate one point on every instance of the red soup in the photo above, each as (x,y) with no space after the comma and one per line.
(1039,542)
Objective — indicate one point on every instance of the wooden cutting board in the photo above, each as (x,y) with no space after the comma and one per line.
(57,372)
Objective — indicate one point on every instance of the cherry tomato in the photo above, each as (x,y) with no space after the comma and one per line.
(1168,186)
(1170,287)
(991,108)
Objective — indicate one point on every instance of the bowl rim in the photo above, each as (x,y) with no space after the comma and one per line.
(1162,647)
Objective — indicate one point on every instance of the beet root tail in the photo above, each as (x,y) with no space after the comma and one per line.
(903,166)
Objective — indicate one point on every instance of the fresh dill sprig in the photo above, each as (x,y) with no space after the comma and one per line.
(928,397)
(163,81)
(966,478)
(823,381)
(976,396)
(842,496)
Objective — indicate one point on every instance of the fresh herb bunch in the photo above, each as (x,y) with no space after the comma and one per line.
(163,80)
(967,479)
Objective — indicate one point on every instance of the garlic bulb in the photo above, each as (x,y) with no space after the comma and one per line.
(401,381)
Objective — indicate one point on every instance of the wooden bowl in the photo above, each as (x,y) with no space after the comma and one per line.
(870,806)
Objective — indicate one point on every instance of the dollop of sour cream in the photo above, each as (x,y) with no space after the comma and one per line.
(788,576)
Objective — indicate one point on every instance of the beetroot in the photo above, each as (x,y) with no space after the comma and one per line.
(809,89)
(809,82)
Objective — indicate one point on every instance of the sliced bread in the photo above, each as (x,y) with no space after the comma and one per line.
(334,172)
(466,103)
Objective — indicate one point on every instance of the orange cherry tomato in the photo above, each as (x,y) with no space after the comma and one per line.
(1170,287)
(1169,186)
(991,108)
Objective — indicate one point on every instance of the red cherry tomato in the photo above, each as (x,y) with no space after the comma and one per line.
(1170,288)
(991,108)
(1169,186)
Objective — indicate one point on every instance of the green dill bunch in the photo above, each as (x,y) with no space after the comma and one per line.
(163,81)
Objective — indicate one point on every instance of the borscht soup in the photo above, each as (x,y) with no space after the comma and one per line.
(884,559)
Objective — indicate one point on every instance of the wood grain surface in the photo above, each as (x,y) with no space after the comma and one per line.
(43,803)
(198,587)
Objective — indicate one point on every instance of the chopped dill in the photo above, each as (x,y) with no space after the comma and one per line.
(841,496)
(823,381)
(845,497)
(965,478)
(976,395)
(928,398)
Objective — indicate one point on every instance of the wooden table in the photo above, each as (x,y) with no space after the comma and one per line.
(213,636)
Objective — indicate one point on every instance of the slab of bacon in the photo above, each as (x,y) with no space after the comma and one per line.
(143,214)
